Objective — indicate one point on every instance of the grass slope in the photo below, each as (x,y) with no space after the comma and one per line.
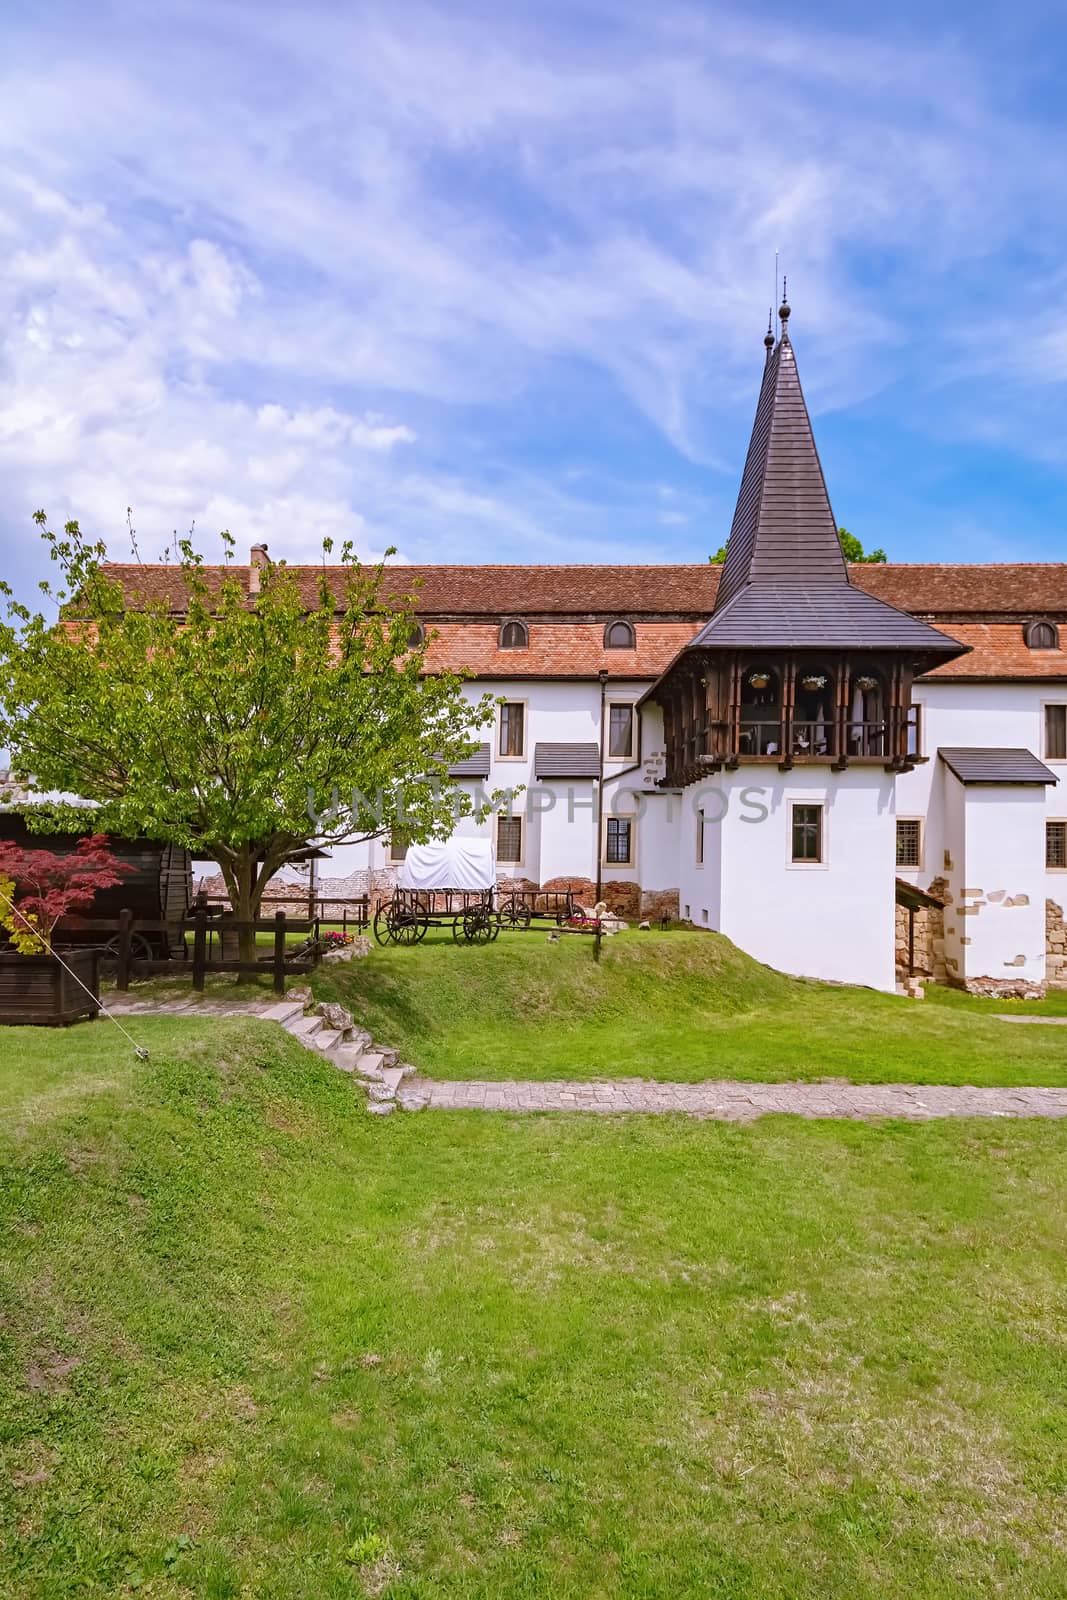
(255,1343)
(685,1006)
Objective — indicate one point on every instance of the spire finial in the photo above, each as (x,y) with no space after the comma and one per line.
(783,311)
(768,337)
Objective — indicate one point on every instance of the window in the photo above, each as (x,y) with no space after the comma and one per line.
(618,848)
(1056,733)
(509,839)
(1056,845)
(619,636)
(700,837)
(909,842)
(620,733)
(512,728)
(416,635)
(514,636)
(807,834)
(1042,636)
(398,844)
(915,730)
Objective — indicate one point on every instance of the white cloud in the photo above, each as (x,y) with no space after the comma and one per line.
(313,290)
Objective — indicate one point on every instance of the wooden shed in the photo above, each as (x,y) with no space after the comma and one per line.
(158,889)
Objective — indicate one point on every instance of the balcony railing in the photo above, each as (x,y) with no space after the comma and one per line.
(818,740)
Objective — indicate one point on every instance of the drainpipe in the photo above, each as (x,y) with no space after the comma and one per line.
(603,677)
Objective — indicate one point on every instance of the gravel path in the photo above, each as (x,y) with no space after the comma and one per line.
(737,1102)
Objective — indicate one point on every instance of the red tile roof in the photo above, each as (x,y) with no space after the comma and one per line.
(563,649)
(492,591)
(998,650)
(984,606)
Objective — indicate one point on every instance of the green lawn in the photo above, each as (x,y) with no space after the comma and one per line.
(686,1006)
(255,1343)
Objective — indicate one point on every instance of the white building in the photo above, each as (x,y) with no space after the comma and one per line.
(846,771)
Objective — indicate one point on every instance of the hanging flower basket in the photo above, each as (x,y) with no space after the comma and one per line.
(866,683)
(759,679)
(813,680)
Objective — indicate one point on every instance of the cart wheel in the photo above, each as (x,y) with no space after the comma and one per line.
(383,932)
(407,927)
(457,928)
(478,927)
(513,914)
(140,950)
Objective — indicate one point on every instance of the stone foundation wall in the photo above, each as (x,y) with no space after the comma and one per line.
(623,897)
(1055,946)
(659,903)
(930,958)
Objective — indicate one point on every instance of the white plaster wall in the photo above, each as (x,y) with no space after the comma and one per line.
(832,920)
(567,829)
(1001,906)
(993,715)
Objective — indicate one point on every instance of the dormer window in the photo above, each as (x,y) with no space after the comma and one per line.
(619,636)
(416,635)
(1041,636)
(514,636)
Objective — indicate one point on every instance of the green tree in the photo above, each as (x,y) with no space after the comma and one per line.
(851,546)
(854,551)
(242,726)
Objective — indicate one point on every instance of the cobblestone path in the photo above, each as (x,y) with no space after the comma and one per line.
(737,1102)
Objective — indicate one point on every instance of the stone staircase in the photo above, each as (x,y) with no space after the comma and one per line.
(329,1031)
(348,1047)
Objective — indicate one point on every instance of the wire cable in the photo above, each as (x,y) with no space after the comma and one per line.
(139,1049)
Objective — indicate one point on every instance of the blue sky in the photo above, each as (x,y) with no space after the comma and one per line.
(489,282)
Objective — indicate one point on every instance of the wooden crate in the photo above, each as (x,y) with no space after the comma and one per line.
(39,990)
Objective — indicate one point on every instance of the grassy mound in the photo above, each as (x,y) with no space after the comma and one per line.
(255,1343)
(686,1006)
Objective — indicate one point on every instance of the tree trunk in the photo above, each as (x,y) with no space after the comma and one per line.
(246,876)
(246,909)
(245,892)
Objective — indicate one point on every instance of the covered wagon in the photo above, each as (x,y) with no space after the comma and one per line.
(447,884)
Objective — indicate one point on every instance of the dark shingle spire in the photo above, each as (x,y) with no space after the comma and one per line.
(785,581)
(783,529)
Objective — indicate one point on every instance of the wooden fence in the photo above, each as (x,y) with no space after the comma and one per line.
(353,912)
(207,931)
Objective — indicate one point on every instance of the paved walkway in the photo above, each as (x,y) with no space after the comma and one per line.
(352,1050)
(737,1102)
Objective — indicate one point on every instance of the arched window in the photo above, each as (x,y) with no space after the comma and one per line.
(866,713)
(761,712)
(813,711)
(416,635)
(1042,636)
(514,636)
(619,636)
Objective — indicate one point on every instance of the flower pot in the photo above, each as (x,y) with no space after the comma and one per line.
(866,684)
(813,681)
(39,990)
(759,680)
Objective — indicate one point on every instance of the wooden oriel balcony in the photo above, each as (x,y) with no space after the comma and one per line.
(837,711)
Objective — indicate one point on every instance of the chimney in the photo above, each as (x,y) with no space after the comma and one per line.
(258,561)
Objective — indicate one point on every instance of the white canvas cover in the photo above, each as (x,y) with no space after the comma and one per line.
(452,864)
